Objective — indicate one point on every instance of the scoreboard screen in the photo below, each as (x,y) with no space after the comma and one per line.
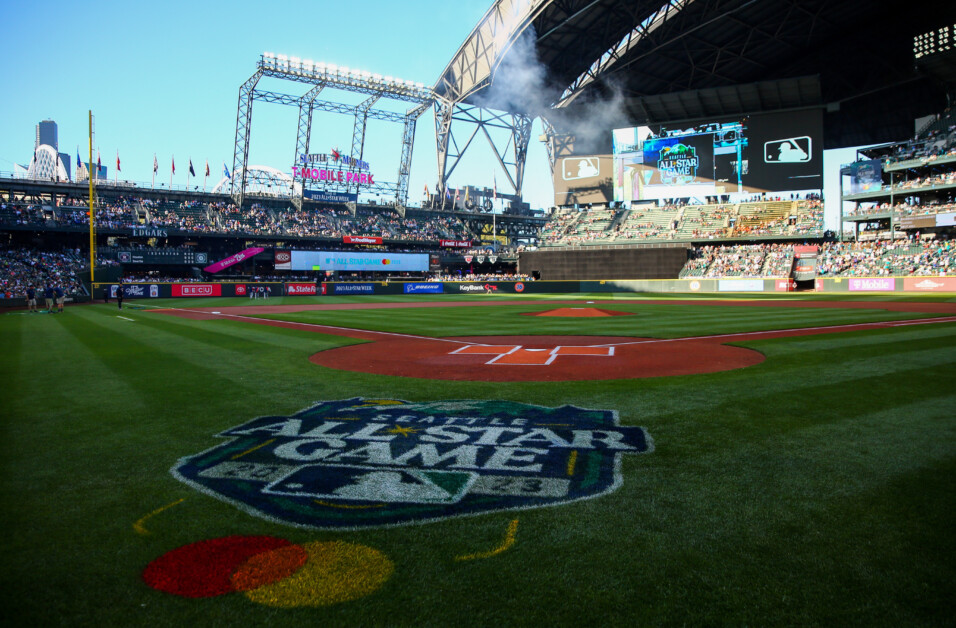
(159,257)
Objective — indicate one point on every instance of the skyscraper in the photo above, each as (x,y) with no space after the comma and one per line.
(46,134)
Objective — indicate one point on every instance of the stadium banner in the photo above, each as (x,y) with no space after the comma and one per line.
(234,259)
(929,284)
(353,288)
(283,260)
(300,289)
(510,287)
(329,197)
(784,285)
(359,261)
(805,250)
(872,284)
(362,239)
(196,290)
(946,220)
(740,285)
(917,222)
(139,291)
(455,244)
(423,288)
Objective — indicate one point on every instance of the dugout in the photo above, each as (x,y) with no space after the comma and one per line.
(605,262)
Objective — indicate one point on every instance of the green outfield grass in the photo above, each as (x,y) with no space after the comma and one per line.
(816,488)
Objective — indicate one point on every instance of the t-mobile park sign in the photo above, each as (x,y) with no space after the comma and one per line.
(329,168)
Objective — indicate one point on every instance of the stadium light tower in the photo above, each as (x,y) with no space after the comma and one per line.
(319,76)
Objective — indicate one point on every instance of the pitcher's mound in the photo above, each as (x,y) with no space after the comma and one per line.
(579,312)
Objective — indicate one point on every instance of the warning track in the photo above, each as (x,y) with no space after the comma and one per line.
(549,358)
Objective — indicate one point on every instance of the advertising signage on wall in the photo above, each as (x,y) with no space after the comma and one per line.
(324,196)
(358,261)
(197,290)
(362,239)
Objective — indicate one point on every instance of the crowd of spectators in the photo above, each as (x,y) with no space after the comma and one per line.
(885,258)
(24,268)
(835,259)
(757,217)
(224,217)
(939,142)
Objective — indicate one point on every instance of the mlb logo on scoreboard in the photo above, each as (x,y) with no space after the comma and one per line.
(791,150)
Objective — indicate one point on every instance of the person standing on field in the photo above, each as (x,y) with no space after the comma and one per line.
(48,297)
(32,298)
(119,296)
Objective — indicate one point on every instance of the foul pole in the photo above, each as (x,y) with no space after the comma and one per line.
(92,203)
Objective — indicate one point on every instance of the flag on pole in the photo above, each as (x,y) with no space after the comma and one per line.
(191,171)
(207,167)
(99,165)
(174,164)
(495,192)
(447,193)
(456,194)
(426,189)
(79,162)
(155,164)
(118,169)
(225,171)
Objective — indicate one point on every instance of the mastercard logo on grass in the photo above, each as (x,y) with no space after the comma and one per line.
(271,571)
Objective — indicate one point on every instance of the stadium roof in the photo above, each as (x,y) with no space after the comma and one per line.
(684,59)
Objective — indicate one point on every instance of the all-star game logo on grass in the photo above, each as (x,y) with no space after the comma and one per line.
(359,463)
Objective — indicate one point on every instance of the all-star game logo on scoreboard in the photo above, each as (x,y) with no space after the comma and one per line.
(678,164)
(360,463)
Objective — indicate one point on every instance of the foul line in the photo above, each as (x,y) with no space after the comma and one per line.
(125,319)
(506,545)
(138,526)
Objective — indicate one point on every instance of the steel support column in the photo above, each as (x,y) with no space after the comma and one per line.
(306,106)
(510,150)
(358,135)
(405,163)
(240,155)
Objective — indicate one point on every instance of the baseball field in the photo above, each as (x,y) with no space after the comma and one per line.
(491,460)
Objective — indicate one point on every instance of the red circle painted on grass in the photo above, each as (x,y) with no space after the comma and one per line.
(205,568)
(536,358)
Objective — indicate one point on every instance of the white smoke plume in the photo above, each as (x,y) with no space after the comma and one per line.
(521,83)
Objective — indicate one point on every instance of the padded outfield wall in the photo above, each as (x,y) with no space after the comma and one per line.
(577,264)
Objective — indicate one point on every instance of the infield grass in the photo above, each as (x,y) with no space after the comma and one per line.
(816,488)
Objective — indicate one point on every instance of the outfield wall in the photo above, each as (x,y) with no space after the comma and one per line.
(742,287)
(847,285)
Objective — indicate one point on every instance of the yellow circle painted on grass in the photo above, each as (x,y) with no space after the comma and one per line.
(334,572)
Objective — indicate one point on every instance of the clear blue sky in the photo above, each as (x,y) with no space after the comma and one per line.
(164,79)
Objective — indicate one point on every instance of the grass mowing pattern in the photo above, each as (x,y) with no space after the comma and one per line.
(814,488)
